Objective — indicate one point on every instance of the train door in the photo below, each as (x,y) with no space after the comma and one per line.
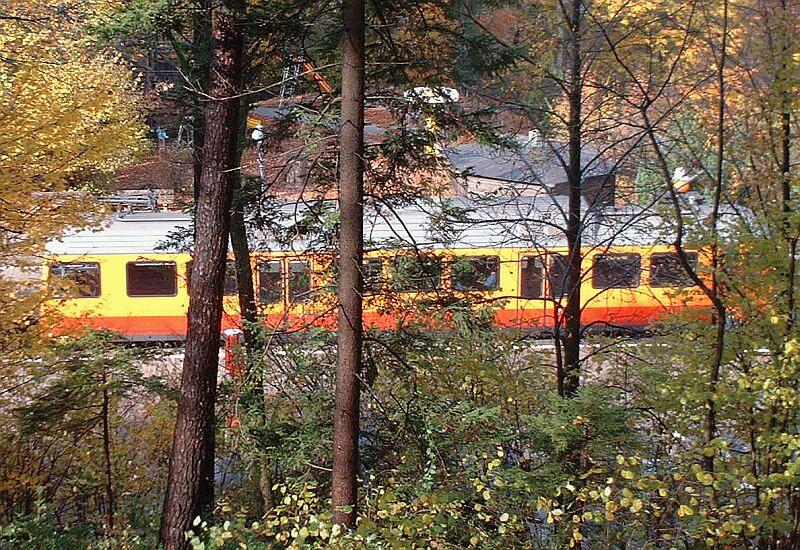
(270,294)
(542,289)
(299,292)
(556,280)
(231,311)
(531,304)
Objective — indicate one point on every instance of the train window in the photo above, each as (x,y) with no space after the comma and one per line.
(152,279)
(476,273)
(557,275)
(371,270)
(299,281)
(416,273)
(231,287)
(616,270)
(373,274)
(666,270)
(83,279)
(531,280)
(270,288)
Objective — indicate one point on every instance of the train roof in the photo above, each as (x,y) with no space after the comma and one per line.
(460,222)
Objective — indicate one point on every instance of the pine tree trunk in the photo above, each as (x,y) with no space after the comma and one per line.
(241,255)
(572,312)
(200,43)
(350,330)
(265,481)
(246,291)
(190,486)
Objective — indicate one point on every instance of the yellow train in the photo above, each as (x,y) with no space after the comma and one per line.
(123,279)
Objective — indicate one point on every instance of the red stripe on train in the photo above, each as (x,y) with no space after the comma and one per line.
(174,327)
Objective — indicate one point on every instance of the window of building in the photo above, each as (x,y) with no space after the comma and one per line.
(152,279)
(666,270)
(416,273)
(299,281)
(82,278)
(231,287)
(270,285)
(557,275)
(476,273)
(531,279)
(616,271)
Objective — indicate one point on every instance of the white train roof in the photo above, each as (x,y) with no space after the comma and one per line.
(496,222)
(138,233)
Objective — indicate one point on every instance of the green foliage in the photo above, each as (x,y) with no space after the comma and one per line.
(461,433)
(73,375)
(146,20)
(53,448)
(39,531)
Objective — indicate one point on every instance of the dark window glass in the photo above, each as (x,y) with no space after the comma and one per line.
(416,273)
(231,287)
(299,281)
(84,279)
(557,275)
(373,275)
(270,287)
(372,271)
(152,279)
(666,270)
(616,271)
(330,271)
(531,280)
(476,273)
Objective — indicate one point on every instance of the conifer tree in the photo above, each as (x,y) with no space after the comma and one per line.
(190,487)
(351,248)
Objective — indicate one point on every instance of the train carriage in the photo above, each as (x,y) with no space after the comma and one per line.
(132,278)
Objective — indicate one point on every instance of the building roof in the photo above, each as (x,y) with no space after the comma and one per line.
(534,161)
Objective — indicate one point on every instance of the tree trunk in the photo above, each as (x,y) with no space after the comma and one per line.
(190,486)
(351,237)
(247,307)
(109,489)
(239,242)
(265,481)
(786,165)
(200,44)
(719,313)
(572,311)
(246,291)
